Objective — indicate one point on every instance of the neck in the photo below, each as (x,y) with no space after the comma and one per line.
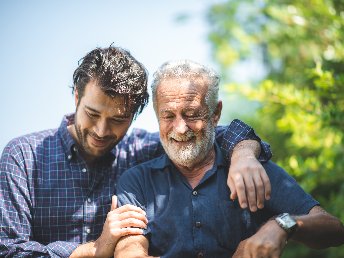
(195,172)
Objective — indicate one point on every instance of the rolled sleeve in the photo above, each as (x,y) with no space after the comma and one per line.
(238,131)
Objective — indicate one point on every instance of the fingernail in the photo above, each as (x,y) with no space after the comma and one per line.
(253,208)
(244,205)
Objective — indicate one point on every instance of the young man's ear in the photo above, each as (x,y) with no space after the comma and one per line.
(76,96)
(217,113)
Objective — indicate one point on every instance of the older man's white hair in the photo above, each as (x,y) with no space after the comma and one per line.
(188,69)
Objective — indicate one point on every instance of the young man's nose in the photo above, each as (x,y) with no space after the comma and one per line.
(102,128)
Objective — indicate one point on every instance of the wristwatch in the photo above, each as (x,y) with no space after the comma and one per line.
(286,222)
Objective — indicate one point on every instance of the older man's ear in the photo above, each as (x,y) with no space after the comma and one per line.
(217,113)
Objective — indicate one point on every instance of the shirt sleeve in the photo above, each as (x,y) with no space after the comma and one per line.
(143,146)
(229,136)
(131,190)
(16,211)
(286,194)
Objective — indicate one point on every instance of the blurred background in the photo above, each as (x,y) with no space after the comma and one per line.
(282,67)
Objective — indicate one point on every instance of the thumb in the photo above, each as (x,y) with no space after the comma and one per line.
(114,202)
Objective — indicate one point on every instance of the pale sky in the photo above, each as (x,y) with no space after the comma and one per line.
(42,41)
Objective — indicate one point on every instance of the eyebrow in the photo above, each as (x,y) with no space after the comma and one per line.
(125,115)
(92,109)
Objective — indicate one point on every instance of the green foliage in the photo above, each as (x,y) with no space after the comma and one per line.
(300,45)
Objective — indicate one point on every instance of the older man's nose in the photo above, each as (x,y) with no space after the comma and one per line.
(180,126)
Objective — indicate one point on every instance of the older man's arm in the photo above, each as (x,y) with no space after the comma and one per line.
(132,247)
(317,230)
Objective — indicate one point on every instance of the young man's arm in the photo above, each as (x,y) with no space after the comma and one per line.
(247,178)
(120,222)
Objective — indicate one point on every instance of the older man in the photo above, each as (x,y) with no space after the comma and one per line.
(184,192)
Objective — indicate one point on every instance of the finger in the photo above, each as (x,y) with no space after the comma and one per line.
(129,207)
(126,215)
(231,186)
(267,184)
(130,222)
(259,186)
(241,193)
(114,202)
(130,231)
(250,193)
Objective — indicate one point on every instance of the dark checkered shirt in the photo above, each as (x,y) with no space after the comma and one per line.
(51,202)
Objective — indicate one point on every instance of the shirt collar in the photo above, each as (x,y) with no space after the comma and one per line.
(67,140)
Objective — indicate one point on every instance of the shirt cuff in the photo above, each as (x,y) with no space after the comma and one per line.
(238,131)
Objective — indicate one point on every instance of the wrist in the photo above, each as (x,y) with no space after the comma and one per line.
(287,223)
(246,148)
(103,248)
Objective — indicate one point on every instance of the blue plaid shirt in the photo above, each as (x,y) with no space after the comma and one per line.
(51,202)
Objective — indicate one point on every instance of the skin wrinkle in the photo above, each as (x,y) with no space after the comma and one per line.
(184,115)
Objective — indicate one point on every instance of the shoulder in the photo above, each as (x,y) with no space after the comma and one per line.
(145,169)
(275,171)
(30,143)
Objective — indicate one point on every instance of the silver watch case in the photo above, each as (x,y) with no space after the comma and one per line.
(286,222)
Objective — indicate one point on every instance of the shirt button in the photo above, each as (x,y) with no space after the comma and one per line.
(69,157)
(194,193)
(84,170)
(75,149)
(88,230)
(89,200)
(198,224)
(200,255)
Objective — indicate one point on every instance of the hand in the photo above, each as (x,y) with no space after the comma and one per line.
(268,242)
(248,181)
(126,220)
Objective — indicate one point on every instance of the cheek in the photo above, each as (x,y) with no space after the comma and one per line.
(120,130)
(197,126)
(84,122)
(164,129)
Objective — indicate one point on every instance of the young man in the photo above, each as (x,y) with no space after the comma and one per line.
(184,192)
(56,185)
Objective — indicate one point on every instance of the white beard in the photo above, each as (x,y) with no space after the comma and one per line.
(192,153)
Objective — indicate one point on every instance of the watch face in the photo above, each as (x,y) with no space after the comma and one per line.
(289,221)
(286,222)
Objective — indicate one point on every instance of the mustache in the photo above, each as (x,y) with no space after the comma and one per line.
(106,138)
(181,137)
